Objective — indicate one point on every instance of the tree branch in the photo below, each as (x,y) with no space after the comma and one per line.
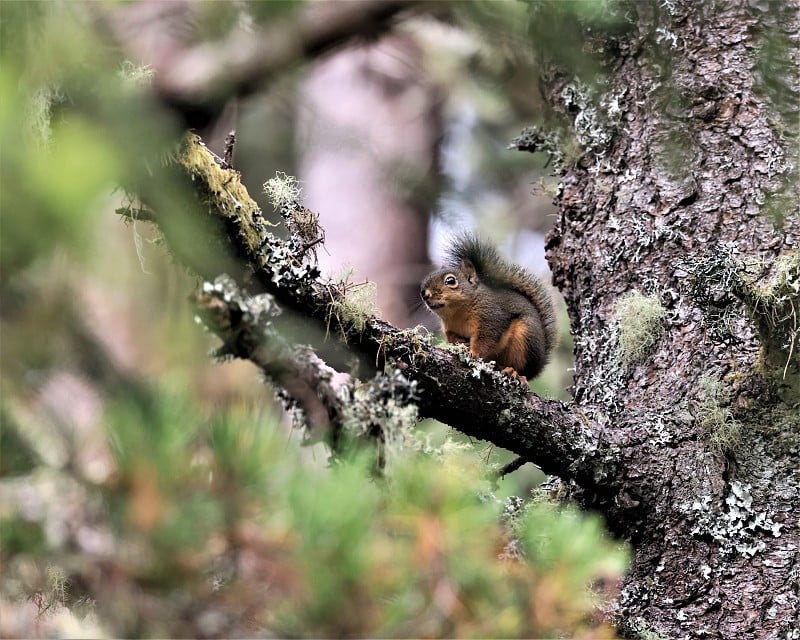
(455,388)
(196,81)
(245,326)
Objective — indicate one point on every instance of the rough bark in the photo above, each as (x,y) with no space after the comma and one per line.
(669,200)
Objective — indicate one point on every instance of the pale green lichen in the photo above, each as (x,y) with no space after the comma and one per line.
(478,366)
(421,442)
(40,114)
(414,342)
(58,583)
(221,188)
(136,76)
(715,283)
(774,306)
(561,146)
(723,278)
(640,323)
(715,418)
(282,189)
(592,129)
(352,304)
(53,597)
(641,629)
(384,410)
(222,191)
(739,527)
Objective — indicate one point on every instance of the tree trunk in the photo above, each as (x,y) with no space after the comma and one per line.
(693,201)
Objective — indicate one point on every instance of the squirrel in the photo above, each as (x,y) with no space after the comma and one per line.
(503,312)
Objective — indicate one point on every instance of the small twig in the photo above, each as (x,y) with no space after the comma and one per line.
(512,466)
(136,213)
(310,245)
(227,157)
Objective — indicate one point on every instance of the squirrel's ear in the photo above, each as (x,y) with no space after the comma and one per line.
(469,270)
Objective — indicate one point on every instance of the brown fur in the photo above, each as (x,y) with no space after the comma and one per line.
(501,311)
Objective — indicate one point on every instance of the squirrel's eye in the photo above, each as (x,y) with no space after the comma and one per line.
(450,281)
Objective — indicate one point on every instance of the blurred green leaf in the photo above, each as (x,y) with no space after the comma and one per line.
(16,455)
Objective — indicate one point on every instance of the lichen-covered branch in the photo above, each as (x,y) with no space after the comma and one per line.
(332,410)
(452,386)
(245,326)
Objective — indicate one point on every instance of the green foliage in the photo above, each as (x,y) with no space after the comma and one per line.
(318,551)
(48,188)
(136,77)
(73,128)
(573,35)
(268,12)
(19,536)
(18,457)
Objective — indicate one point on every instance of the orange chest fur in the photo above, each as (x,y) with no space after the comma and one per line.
(461,320)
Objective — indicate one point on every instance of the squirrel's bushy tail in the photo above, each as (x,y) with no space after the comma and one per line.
(497,272)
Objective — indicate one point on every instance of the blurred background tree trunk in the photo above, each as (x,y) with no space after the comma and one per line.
(373,178)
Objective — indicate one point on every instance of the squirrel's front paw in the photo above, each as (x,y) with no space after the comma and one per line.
(513,373)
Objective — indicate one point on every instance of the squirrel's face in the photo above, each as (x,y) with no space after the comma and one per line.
(443,291)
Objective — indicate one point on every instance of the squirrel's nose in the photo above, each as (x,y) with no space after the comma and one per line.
(425,294)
